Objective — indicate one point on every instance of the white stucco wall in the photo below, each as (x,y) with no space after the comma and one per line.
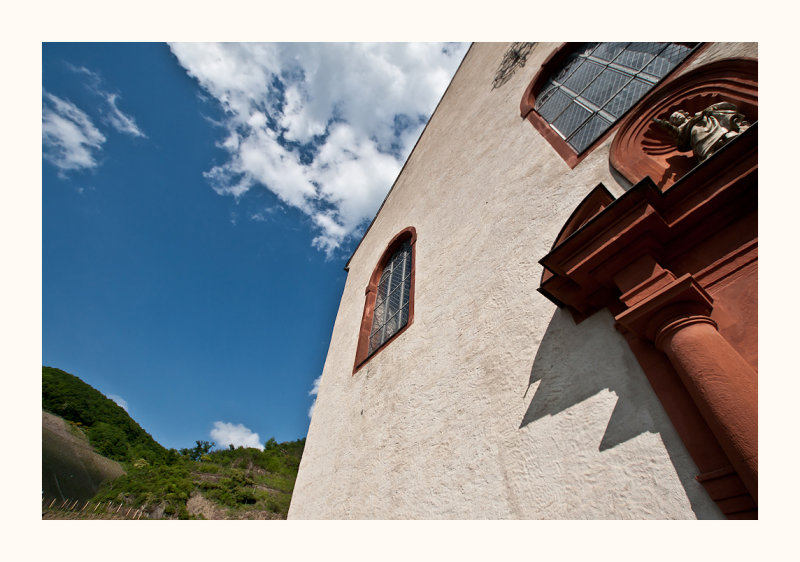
(494,403)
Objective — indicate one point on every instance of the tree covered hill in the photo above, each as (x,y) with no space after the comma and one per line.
(193,483)
(111,431)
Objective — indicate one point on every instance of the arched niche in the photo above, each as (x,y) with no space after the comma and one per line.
(641,148)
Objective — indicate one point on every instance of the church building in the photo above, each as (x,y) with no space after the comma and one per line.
(554,313)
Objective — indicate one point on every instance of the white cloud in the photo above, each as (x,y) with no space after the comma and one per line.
(93,77)
(120,401)
(325,127)
(122,122)
(264,214)
(225,434)
(313,392)
(70,139)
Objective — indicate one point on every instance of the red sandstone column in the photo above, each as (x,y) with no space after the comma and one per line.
(722,384)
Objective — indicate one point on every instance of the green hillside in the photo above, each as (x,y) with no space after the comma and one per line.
(193,483)
(242,483)
(111,431)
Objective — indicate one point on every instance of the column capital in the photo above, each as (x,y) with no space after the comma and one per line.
(681,301)
(669,328)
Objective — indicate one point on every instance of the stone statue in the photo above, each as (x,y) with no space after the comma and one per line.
(705,131)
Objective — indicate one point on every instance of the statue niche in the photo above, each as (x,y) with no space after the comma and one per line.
(641,148)
(706,131)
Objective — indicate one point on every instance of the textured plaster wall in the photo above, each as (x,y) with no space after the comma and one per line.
(494,403)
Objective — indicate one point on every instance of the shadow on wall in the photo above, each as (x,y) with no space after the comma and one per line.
(576,362)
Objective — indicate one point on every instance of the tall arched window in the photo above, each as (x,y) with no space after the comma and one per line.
(389,303)
(583,89)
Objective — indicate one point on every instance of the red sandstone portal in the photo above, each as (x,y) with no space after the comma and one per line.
(676,262)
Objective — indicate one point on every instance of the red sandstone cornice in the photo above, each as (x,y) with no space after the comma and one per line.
(580,269)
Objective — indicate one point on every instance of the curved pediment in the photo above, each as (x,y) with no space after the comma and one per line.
(642,148)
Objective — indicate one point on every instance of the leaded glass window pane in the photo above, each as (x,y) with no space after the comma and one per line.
(599,82)
(383,284)
(584,136)
(625,99)
(379,318)
(375,341)
(404,316)
(567,70)
(553,107)
(583,76)
(391,302)
(637,55)
(571,118)
(608,51)
(395,299)
(393,324)
(667,59)
(600,91)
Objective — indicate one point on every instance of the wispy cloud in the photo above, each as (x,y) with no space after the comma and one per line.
(70,140)
(93,79)
(313,392)
(225,434)
(264,214)
(119,401)
(122,122)
(325,127)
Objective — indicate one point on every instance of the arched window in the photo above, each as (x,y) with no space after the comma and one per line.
(389,306)
(391,302)
(583,89)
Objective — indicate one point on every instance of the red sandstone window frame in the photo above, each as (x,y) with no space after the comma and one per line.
(552,64)
(362,350)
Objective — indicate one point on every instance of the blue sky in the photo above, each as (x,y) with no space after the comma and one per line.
(199,202)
